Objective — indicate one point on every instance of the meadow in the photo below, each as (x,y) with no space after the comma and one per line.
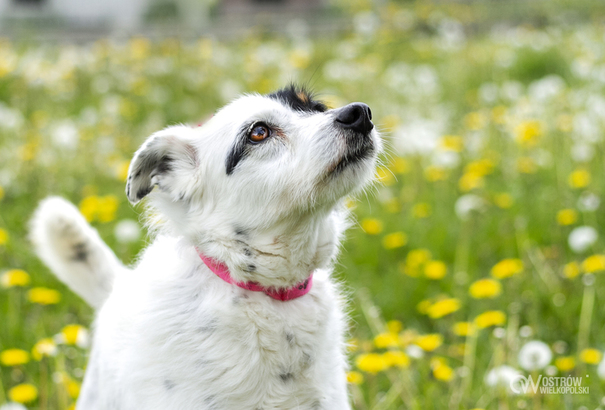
(476,257)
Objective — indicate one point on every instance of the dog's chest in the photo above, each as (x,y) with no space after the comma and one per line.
(223,347)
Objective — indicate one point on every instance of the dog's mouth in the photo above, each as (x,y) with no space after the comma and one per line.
(357,151)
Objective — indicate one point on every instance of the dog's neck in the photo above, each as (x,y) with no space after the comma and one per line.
(277,257)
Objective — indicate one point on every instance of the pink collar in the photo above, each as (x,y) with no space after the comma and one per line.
(222,271)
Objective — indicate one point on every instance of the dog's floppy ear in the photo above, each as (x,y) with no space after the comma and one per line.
(165,156)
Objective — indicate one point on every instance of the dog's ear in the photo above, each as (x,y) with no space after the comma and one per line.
(160,161)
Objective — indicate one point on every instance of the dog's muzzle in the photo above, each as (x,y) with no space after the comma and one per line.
(355,120)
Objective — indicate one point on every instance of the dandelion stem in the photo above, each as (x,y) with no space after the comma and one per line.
(586,314)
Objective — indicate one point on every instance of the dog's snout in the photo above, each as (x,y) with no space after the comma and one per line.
(355,116)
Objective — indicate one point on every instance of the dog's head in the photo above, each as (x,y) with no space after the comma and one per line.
(262,169)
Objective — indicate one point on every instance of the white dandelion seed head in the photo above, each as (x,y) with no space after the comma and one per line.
(502,376)
(414,351)
(13,406)
(534,355)
(127,231)
(468,203)
(588,202)
(582,238)
(526,331)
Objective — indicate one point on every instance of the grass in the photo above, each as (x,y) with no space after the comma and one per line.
(489,137)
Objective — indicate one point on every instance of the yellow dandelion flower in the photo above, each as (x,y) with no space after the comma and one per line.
(414,260)
(384,340)
(463,329)
(591,356)
(73,388)
(435,270)
(14,277)
(394,326)
(421,210)
(490,318)
(43,296)
(23,393)
(354,377)
(580,178)
(399,166)
(385,176)
(567,217)
(89,207)
(394,240)
(443,307)
(434,174)
(72,333)
(506,268)
(44,347)
(470,181)
(14,357)
(571,270)
(371,362)
(371,226)
(452,143)
(429,342)
(4,236)
(527,165)
(108,205)
(474,120)
(485,289)
(503,200)
(443,372)
(528,133)
(565,364)
(481,167)
(594,263)
(396,358)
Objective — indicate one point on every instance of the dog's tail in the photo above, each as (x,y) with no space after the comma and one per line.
(74,250)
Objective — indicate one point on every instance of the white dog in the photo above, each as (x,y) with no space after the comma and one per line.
(232,306)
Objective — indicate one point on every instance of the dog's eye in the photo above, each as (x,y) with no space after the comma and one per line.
(259,132)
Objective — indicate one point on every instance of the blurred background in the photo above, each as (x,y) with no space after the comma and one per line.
(477,256)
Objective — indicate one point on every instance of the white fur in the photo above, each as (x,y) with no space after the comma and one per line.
(170,334)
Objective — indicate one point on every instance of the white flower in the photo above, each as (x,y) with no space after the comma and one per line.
(414,351)
(502,376)
(13,406)
(588,202)
(526,331)
(127,231)
(65,135)
(468,203)
(534,355)
(600,369)
(582,152)
(582,238)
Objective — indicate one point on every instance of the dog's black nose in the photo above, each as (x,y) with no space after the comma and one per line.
(356,117)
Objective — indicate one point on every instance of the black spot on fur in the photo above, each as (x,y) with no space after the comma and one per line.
(80,252)
(290,338)
(238,152)
(239,231)
(247,252)
(286,377)
(169,384)
(251,268)
(143,191)
(299,99)
(164,165)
